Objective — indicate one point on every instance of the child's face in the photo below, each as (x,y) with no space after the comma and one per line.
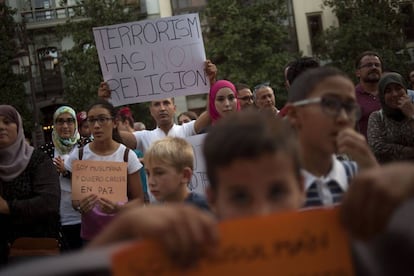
(257,187)
(165,182)
(317,124)
(101,123)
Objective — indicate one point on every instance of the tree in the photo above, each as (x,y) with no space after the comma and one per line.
(365,25)
(249,41)
(80,63)
(11,85)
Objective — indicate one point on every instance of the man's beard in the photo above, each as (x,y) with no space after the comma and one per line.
(371,78)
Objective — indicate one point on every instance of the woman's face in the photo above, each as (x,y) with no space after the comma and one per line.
(65,125)
(8,132)
(183,119)
(101,123)
(225,102)
(392,95)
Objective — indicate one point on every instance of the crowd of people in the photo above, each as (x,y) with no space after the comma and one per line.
(332,143)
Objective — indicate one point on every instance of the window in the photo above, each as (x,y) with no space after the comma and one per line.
(315,30)
(48,60)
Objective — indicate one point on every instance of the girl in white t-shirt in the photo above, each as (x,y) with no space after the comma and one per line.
(98,211)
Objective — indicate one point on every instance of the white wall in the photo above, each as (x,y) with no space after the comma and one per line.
(301,9)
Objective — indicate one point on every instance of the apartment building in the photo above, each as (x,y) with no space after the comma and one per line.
(307,18)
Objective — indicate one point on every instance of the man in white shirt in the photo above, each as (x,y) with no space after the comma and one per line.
(163,112)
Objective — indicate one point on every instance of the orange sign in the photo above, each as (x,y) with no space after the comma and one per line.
(295,243)
(102,178)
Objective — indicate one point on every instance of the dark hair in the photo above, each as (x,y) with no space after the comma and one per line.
(299,66)
(125,114)
(367,53)
(190,114)
(108,106)
(240,86)
(248,135)
(306,82)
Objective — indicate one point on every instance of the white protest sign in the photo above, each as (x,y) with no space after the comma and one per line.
(152,59)
(199,182)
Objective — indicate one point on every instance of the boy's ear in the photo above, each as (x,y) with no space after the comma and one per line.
(187,174)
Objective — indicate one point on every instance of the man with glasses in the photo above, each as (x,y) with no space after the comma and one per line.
(265,98)
(368,70)
(244,95)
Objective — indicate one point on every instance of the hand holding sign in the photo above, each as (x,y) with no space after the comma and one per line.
(152,59)
(295,243)
(181,228)
(102,178)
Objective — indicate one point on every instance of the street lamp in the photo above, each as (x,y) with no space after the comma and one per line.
(22,64)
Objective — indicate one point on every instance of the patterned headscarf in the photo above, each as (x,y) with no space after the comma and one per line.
(14,158)
(64,145)
(212,97)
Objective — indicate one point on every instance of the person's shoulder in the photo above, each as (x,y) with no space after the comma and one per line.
(377,114)
(198,200)
(48,148)
(39,157)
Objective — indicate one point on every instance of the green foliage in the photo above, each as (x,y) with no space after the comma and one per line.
(374,25)
(248,41)
(11,85)
(81,64)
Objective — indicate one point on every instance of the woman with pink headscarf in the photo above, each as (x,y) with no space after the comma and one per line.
(222,100)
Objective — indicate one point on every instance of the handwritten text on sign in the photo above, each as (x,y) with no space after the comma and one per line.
(301,243)
(101,178)
(152,59)
(199,181)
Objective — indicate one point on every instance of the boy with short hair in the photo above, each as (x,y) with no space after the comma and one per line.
(323,109)
(253,166)
(169,166)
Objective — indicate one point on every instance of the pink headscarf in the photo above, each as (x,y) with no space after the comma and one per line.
(212,98)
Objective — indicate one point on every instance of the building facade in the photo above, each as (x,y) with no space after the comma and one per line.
(307,19)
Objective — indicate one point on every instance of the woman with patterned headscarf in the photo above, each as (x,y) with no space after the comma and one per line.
(391,129)
(65,137)
(29,186)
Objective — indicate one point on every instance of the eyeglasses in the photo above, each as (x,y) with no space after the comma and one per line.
(370,64)
(246,98)
(333,106)
(101,120)
(264,84)
(68,121)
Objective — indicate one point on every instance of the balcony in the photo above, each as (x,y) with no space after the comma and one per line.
(44,18)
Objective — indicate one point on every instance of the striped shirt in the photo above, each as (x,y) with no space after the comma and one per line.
(328,190)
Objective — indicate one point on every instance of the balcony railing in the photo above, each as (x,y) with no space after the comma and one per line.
(51,14)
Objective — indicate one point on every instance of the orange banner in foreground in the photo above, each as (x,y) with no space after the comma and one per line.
(304,243)
(102,178)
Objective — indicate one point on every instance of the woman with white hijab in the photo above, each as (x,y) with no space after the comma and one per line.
(65,138)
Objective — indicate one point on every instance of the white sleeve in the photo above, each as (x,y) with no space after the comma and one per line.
(74,155)
(188,128)
(133,162)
